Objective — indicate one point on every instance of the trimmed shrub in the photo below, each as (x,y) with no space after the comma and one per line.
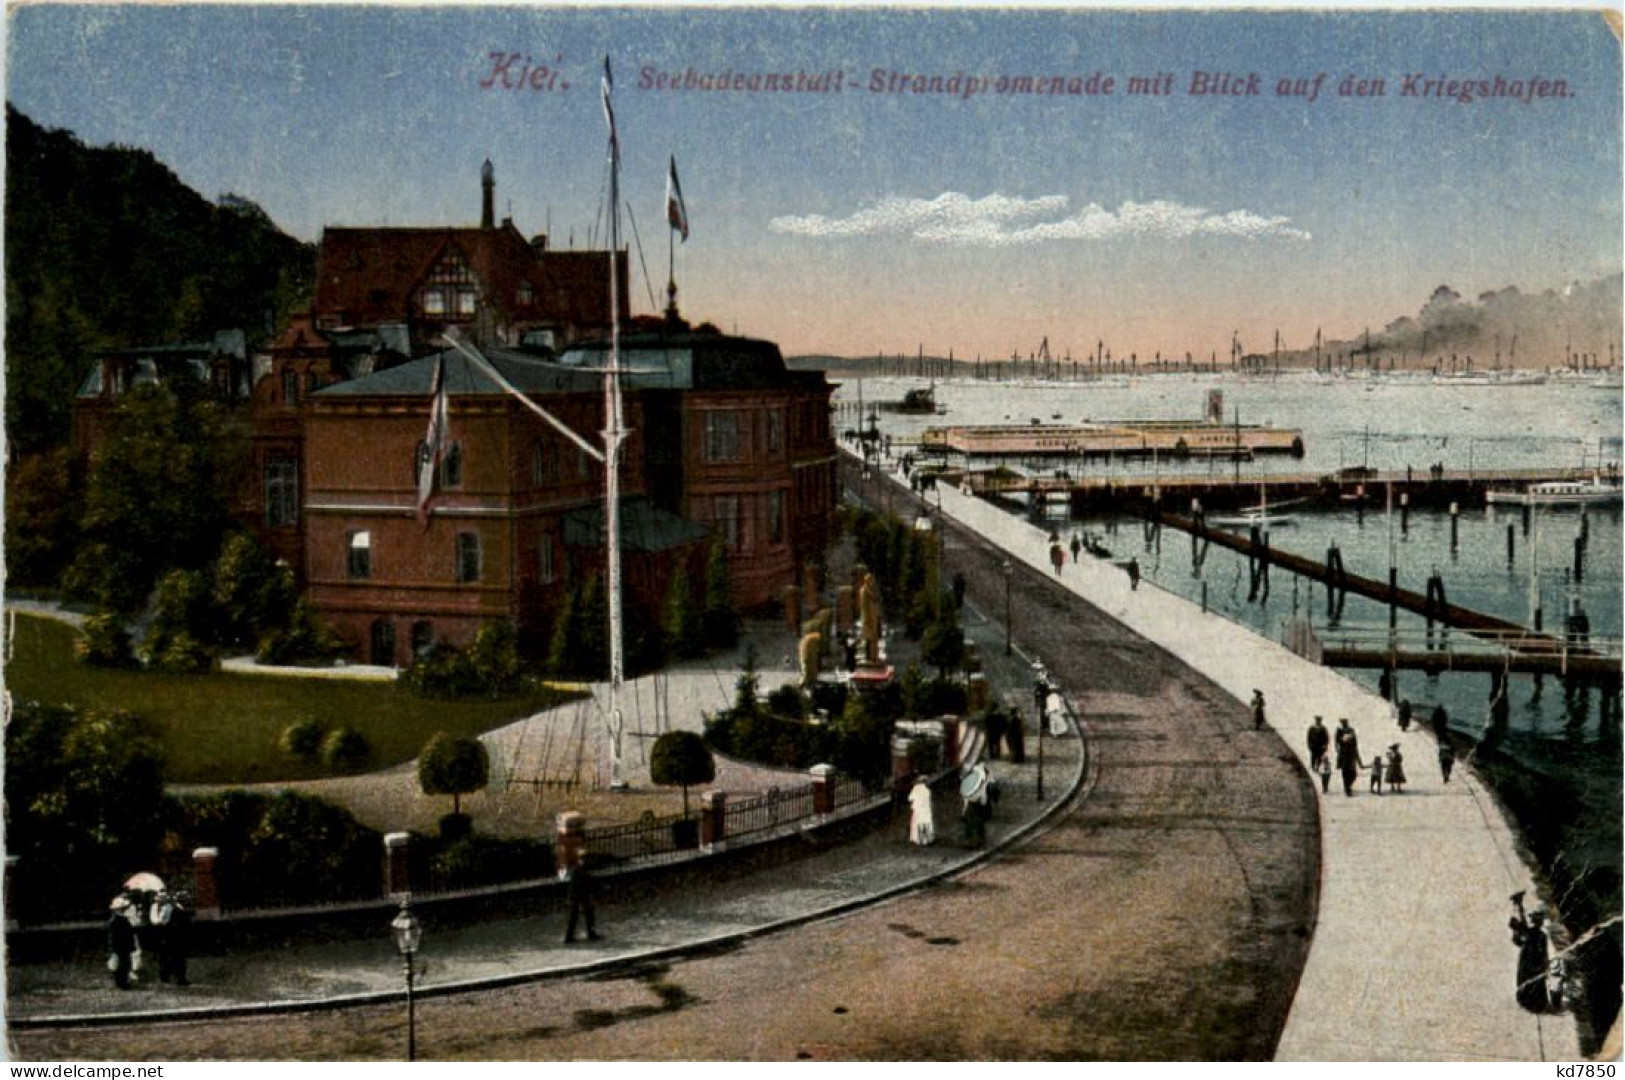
(455,826)
(493,658)
(303,738)
(453,765)
(179,654)
(681,758)
(303,641)
(345,749)
(304,850)
(473,860)
(787,701)
(105,642)
(829,698)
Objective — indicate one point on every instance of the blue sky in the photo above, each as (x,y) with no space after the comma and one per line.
(858,221)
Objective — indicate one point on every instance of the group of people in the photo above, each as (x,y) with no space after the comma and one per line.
(142,925)
(978,804)
(1343,746)
(1340,751)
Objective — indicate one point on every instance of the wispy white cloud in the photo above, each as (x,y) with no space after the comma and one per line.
(1004,221)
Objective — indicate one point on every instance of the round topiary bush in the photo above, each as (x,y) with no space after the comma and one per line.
(303,738)
(345,749)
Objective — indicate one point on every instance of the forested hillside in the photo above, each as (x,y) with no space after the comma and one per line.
(105,247)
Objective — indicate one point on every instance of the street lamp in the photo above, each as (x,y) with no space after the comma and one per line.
(407,935)
(1009,572)
(1041,702)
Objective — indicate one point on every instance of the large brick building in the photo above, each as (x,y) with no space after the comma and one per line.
(726,442)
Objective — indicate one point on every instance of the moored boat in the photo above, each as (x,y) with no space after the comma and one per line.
(1559,493)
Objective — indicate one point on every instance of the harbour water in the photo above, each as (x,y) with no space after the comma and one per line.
(1547,749)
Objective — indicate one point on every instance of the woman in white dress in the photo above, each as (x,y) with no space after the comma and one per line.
(922,827)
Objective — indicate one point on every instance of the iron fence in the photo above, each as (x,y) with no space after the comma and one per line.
(649,838)
(768,810)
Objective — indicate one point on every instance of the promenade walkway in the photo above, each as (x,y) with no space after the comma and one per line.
(1411,957)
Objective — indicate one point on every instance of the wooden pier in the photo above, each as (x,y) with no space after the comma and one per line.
(1364,488)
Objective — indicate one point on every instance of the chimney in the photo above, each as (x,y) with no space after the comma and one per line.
(488,187)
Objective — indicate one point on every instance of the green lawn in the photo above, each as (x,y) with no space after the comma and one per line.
(223,729)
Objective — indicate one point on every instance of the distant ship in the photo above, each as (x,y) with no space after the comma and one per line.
(921,401)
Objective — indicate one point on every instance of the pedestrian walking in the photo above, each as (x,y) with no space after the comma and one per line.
(1348,754)
(1534,951)
(1258,710)
(120,943)
(1057,557)
(171,933)
(1440,722)
(1015,737)
(1319,740)
(1405,714)
(1077,546)
(578,889)
(1447,758)
(1324,770)
(974,817)
(1394,770)
(1133,574)
(922,827)
(1376,774)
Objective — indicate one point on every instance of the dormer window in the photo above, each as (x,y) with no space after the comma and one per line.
(434,302)
(450,287)
(527,295)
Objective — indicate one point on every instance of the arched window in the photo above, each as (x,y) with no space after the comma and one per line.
(422,638)
(360,555)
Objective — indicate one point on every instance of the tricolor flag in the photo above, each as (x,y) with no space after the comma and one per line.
(676,211)
(434,442)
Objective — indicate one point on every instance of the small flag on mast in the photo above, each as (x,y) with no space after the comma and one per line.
(434,441)
(676,209)
(609,109)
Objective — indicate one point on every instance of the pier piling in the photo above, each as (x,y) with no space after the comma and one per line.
(1455,535)
(1512,546)
(1579,559)
(1405,513)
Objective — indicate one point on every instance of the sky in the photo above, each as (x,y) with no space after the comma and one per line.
(883,219)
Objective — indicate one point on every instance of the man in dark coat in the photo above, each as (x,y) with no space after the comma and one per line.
(121,942)
(1258,710)
(578,883)
(171,926)
(1319,740)
(1348,754)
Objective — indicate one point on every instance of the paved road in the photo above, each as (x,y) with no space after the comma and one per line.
(1165,915)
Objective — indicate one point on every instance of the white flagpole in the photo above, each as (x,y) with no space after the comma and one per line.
(613,434)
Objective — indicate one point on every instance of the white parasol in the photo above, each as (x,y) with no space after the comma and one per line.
(145,882)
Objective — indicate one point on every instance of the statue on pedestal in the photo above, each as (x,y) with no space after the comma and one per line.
(869,613)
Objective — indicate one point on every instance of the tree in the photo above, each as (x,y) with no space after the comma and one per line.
(255,595)
(453,765)
(183,624)
(43,496)
(681,757)
(684,627)
(580,648)
(493,656)
(943,645)
(155,498)
(721,618)
(84,795)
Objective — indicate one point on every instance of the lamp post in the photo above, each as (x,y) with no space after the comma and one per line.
(407,935)
(1009,572)
(1040,703)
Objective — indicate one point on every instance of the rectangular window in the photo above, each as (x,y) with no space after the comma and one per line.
(775,433)
(451,466)
(583,465)
(468,557)
(541,465)
(467,299)
(434,302)
(290,387)
(721,436)
(725,516)
(775,517)
(546,572)
(281,492)
(360,564)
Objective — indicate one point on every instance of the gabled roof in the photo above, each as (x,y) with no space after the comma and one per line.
(368,275)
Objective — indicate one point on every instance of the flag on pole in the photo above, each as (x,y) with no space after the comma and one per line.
(434,441)
(609,109)
(676,210)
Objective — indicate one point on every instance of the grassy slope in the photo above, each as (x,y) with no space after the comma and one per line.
(223,729)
